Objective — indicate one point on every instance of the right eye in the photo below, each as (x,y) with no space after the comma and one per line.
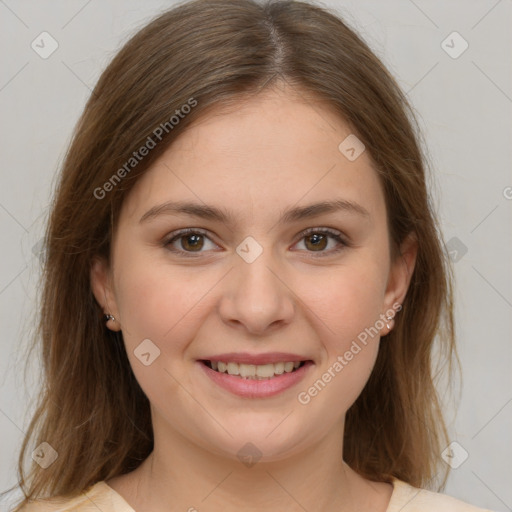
(189,241)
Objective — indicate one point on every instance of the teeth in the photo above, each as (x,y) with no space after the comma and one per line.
(246,370)
(279,368)
(288,367)
(251,371)
(265,370)
(233,369)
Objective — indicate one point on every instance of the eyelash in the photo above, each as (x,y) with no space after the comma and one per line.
(197,231)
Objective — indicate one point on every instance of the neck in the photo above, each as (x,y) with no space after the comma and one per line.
(181,475)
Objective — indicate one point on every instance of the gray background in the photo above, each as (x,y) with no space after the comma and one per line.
(464,105)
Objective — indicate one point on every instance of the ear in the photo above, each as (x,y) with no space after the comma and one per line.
(401,272)
(101,284)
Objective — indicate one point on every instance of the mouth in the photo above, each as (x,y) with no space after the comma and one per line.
(256,376)
(254,371)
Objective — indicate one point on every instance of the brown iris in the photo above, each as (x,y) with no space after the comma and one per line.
(319,241)
(192,242)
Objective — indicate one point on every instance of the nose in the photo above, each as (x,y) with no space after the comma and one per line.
(256,297)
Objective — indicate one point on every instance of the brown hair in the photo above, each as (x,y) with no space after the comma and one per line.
(91,408)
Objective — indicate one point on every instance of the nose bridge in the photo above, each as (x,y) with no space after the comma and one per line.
(257,298)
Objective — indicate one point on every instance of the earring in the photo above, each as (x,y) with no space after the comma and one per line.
(108,317)
(390,319)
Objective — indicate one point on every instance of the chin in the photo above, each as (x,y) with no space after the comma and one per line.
(251,445)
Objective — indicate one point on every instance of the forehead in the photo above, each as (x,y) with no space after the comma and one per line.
(272,150)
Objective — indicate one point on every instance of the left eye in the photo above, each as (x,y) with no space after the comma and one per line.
(318,240)
(315,240)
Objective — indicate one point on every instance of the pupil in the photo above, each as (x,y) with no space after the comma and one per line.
(196,239)
(318,240)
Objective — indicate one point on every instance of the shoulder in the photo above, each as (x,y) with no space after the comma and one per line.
(406,498)
(99,496)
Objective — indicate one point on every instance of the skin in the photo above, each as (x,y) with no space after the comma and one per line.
(276,150)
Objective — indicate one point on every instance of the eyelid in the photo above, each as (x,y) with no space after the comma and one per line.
(330,231)
(339,236)
(333,233)
(176,235)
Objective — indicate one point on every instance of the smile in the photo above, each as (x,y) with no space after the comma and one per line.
(252,371)
(254,380)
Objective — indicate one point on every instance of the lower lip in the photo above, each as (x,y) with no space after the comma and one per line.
(252,388)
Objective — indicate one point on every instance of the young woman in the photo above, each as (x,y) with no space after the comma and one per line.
(243,281)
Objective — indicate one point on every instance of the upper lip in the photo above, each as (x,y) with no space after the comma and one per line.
(256,359)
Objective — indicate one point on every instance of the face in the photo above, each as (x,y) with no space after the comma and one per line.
(261,277)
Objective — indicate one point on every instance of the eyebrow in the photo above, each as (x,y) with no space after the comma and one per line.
(290,215)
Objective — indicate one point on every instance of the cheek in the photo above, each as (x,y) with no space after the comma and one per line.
(163,303)
(152,300)
(157,314)
(347,308)
(348,300)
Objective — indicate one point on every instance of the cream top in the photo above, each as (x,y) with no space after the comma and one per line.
(101,496)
